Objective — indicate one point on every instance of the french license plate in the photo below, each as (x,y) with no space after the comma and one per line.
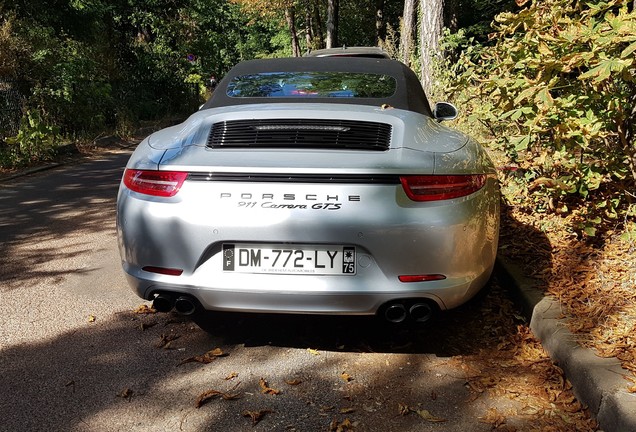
(289,259)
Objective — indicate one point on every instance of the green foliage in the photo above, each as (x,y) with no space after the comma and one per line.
(557,92)
(92,65)
(36,141)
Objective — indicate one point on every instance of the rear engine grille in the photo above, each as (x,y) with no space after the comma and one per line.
(301,133)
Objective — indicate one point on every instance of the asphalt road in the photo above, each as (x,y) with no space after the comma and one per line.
(75,356)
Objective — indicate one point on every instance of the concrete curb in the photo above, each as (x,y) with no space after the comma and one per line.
(598,382)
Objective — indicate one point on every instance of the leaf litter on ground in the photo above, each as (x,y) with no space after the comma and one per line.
(510,362)
(256,416)
(206,358)
(592,278)
(144,310)
(404,410)
(266,389)
(212,394)
(166,340)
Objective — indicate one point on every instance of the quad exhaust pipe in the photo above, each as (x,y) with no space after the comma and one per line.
(396,313)
(421,312)
(418,312)
(183,305)
(163,303)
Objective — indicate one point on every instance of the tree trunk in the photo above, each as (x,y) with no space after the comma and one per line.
(431,12)
(318,27)
(309,30)
(290,16)
(407,31)
(380,27)
(332,23)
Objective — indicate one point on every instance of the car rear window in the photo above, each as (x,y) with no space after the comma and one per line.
(312,84)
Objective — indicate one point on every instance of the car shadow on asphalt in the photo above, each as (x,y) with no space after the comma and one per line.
(128,372)
(461,331)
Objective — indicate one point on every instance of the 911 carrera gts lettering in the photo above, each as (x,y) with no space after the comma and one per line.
(327,206)
(271,205)
(283,206)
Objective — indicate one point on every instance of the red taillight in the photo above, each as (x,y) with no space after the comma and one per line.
(421,278)
(156,183)
(441,187)
(163,270)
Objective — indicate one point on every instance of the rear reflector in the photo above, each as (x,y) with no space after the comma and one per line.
(441,187)
(421,278)
(156,183)
(163,270)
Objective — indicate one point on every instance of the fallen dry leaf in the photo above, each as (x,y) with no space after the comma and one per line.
(265,389)
(404,409)
(293,382)
(347,410)
(126,393)
(313,351)
(346,377)
(165,340)
(493,417)
(256,416)
(206,358)
(343,426)
(91,318)
(144,310)
(145,326)
(232,375)
(426,415)
(211,394)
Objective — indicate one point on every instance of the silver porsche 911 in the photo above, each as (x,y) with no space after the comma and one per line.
(311,186)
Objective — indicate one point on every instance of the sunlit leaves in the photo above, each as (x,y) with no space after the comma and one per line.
(557,93)
(144,310)
(605,68)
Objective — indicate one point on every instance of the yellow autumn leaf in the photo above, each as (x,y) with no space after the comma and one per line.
(346,377)
(144,310)
(426,415)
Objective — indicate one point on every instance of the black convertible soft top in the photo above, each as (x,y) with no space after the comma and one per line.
(408,95)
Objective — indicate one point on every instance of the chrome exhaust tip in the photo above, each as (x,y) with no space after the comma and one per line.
(163,303)
(421,312)
(185,306)
(396,313)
